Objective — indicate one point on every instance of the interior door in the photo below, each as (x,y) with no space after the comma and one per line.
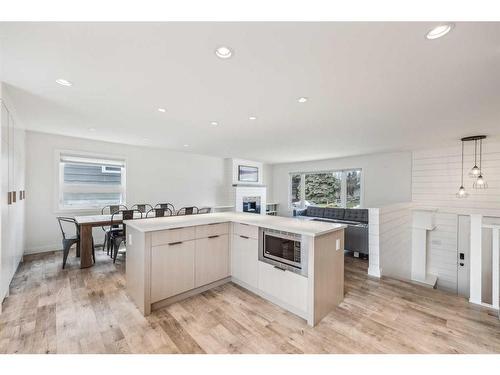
(463,251)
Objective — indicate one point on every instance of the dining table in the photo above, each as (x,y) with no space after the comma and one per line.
(86,223)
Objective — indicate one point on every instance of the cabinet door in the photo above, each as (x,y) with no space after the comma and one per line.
(285,286)
(211,259)
(172,269)
(245,260)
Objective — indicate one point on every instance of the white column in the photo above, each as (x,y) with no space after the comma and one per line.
(475,258)
(495,266)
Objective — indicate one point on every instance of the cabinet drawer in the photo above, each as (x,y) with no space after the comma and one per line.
(251,231)
(172,235)
(218,229)
(285,286)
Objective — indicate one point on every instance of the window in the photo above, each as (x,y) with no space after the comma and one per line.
(326,189)
(90,182)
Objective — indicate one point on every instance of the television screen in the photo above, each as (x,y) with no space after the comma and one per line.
(248,174)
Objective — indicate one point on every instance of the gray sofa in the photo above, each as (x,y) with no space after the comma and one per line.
(356,233)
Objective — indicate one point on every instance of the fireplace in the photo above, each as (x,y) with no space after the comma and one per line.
(250,199)
(251,204)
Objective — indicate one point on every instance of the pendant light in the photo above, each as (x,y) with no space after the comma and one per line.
(474,172)
(480,183)
(462,193)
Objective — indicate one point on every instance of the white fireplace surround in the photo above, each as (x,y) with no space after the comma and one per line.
(250,191)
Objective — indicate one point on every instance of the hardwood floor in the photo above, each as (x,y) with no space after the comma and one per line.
(51,310)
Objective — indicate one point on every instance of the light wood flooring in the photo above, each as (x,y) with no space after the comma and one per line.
(51,310)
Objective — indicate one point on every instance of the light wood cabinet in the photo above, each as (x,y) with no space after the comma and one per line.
(245,260)
(172,269)
(211,259)
(12,144)
(284,286)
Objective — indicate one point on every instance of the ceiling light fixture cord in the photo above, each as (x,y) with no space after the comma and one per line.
(462,184)
(475,152)
(480,157)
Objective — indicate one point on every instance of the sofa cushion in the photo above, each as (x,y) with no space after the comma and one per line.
(334,213)
(355,214)
(315,211)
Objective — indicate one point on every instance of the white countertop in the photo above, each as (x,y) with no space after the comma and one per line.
(287,224)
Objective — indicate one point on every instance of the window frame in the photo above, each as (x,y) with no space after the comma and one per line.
(59,180)
(343,186)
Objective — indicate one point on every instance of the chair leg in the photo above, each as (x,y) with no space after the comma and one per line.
(109,243)
(66,248)
(116,245)
(78,249)
(104,244)
(93,249)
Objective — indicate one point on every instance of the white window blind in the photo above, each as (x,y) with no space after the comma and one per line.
(90,182)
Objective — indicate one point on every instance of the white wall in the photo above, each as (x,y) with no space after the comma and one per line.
(436,179)
(153,175)
(386,177)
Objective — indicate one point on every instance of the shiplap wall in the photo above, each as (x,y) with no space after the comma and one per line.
(436,178)
(394,232)
(435,182)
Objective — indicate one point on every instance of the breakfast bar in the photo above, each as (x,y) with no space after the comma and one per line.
(298,265)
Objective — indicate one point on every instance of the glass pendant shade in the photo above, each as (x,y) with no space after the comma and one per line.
(480,183)
(475,171)
(462,193)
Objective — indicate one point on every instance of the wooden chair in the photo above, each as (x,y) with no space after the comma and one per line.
(120,236)
(187,211)
(142,207)
(205,210)
(159,212)
(68,241)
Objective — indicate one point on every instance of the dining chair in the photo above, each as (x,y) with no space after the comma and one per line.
(110,210)
(142,207)
(120,236)
(205,210)
(70,240)
(159,212)
(170,206)
(187,211)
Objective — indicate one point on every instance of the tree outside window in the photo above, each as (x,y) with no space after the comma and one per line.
(326,189)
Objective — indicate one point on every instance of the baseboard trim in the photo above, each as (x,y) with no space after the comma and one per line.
(43,249)
(179,297)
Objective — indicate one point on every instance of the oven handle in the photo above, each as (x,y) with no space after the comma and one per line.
(279,268)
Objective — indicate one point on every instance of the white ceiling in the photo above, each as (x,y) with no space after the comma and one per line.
(372,87)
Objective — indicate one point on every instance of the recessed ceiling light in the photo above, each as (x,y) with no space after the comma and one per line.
(252,118)
(214,123)
(439,31)
(91,129)
(186,145)
(64,82)
(223,52)
(163,110)
(302,99)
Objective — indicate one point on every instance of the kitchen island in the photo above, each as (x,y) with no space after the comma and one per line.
(172,258)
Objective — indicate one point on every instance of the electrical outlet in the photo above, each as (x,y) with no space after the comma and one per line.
(130,239)
(337,244)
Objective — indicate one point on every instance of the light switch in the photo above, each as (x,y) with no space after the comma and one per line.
(337,244)
(130,239)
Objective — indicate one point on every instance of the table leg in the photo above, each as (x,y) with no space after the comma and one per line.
(86,246)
